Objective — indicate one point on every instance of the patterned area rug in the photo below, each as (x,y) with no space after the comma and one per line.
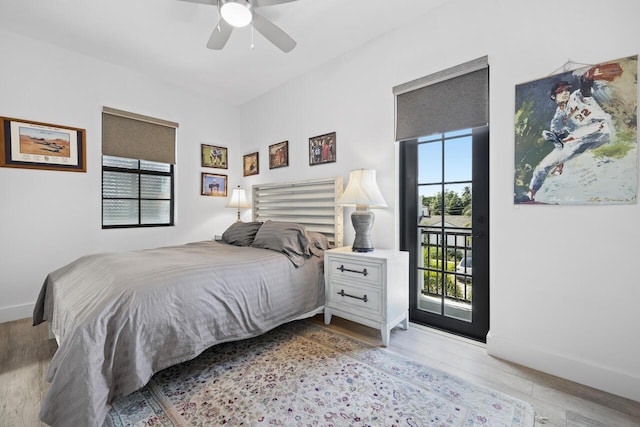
(302,374)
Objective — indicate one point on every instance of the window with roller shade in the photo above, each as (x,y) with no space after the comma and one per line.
(138,156)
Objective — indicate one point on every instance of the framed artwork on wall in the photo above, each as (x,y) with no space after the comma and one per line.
(576,136)
(250,164)
(322,149)
(213,156)
(214,185)
(36,145)
(279,155)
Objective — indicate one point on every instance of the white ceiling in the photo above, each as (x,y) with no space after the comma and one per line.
(167,38)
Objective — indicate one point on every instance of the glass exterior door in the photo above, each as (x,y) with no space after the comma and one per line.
(448,236)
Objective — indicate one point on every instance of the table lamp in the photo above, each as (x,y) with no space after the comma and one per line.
(238,200)
(363,193)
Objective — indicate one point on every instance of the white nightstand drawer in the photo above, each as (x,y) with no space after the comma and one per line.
(355,297)
(349,269)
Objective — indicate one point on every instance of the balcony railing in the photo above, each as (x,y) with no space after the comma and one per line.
(444,276)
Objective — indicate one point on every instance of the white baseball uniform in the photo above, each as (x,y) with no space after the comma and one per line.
(585,125)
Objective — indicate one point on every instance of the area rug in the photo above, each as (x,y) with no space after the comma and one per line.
(302,374)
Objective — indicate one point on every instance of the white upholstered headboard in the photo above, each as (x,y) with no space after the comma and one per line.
(312,203)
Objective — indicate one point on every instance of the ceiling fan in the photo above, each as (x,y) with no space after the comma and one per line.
(240,13)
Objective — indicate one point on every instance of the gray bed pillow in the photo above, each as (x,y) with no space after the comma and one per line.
(319,240)
(319,243)
(289,238)
(241,233)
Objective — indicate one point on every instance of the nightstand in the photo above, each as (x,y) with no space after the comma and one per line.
(371,288)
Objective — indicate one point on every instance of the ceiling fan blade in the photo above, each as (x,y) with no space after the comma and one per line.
(273,33)
(262,3)
(212,2)
(219,37)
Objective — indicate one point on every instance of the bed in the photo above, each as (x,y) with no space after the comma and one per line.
(120,317)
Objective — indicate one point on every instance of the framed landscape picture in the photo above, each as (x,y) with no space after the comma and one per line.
(214,185)
(250,164)
(279,155)
(35,145)
(322,149)
(213,156)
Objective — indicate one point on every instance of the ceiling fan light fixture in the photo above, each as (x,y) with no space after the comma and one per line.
(236,12)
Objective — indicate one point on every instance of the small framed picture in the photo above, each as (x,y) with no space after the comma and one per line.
(213,157)
(322,149)
(279,155)
(35,145)
(214,185)
(250,164)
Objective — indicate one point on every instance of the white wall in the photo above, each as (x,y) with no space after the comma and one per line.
(49,218)
(562,298)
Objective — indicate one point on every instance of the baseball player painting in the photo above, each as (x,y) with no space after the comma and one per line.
(589,112)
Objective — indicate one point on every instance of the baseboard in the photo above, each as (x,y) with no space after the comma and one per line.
(583,372)
(15,312)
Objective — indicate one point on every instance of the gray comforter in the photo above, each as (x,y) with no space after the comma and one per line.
(121,317)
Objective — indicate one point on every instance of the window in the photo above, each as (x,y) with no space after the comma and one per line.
(138,157)
(136,193)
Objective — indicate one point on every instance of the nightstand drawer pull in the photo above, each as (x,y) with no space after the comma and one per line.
(342,294)
(342,269)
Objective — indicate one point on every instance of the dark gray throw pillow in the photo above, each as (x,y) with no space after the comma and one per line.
(319,240)
(289,238)
(241,233)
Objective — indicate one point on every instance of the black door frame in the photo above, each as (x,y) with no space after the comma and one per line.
(479,326)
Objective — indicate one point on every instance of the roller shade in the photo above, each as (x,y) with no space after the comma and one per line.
(452,99)
(135,136)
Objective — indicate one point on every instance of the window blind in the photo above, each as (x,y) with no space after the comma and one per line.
(452,99)
(134,136)
(136,193)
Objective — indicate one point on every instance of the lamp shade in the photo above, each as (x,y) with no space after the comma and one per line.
(238,199)
(362,190)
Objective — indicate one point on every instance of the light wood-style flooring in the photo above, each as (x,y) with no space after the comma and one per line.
(25,353)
